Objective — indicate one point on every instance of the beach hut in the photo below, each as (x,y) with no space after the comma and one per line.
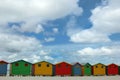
(77,69)
(87,69)
(119,70)
(99,69)
(3,68)
(63,69)
(43,68)
(20,67)
(112,69)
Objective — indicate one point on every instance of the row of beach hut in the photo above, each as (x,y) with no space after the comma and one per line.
(44,68)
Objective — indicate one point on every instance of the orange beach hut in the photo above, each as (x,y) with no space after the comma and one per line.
(43,69)
(99,69)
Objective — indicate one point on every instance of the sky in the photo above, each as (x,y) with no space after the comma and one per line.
(60,30)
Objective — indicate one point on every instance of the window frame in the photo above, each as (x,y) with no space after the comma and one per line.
(39,65)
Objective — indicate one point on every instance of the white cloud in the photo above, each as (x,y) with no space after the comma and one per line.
(89,36)
(31,15)
(55,30)
(14,46)
(42,52)
(91,51)
(105,20)
(12,56)
(72,27)
(112,49)
(78,35)
(83,53)
(11,42)
(50,39)
(104,54)
(31,27)
(48,58)
(33,12)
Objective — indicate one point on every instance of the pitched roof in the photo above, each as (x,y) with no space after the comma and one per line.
(42,62)
(112,64)
(4,62)
(21,60)
(87,64)
(77,63)
(62,62)
(99,63)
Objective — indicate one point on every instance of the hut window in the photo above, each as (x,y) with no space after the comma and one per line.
(39,65)
(102,66)
(96,66)
(48,65)
(26,64)
(77,66)
(67,65)
(16,64)
(87,66)
(59,65)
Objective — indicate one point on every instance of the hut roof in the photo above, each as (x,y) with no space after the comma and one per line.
(63,62)
(3,62)
(113,64)
(20,61)
(99,63)
(77,63)
(42,62)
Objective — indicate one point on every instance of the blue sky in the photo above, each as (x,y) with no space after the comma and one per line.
(60,30)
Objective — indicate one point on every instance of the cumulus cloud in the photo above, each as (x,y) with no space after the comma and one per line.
(72,27)
(104,53)
(97,51)
(11,43)
(14,46)
(55,30)
(88,36)
(33,12)
(42,52)
(84,36)
(30,15)
(48,58)
(31,27)
(50,39)
(105,19)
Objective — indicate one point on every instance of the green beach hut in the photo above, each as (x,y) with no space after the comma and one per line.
(20,67)
(87,69)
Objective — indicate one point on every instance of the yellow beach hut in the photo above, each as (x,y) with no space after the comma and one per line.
(43,69)
(99,69)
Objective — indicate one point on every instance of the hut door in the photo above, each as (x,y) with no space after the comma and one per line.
(77,70)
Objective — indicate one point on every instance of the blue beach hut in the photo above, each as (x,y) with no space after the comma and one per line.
(3,68)
(77,69)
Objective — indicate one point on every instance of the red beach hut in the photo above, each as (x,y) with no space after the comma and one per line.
(63,69)
(112,69)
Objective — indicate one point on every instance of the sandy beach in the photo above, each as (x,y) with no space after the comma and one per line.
(62,78)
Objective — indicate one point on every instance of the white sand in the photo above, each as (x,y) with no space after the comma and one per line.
(63,78)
